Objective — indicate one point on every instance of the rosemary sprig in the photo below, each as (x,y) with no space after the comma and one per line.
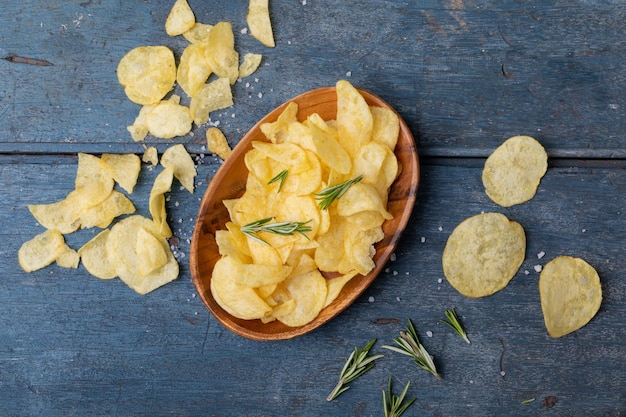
(332,193)
(409,344)
(395,407)
(281,228)
(356,365)
(281,176)
(455,324)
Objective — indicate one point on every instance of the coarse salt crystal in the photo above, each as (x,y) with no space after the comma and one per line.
(371,299)
(423,239)
(537,268)
(440,280)
(541,255)
(349,74)
(440,228)
(392,257)
(429,333)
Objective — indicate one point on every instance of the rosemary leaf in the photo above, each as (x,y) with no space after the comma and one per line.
(328,195)
(281,176)
(281,228)
(396,405)
(455,324)
(356,365)
(409,344)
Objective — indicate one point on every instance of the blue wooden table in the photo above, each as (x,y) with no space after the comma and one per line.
(464,74)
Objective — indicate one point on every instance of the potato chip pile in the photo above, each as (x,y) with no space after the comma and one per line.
(270,276)
(484,252)
(135,249)
(208,67)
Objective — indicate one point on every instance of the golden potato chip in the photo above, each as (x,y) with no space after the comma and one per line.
(386,126)
(124,169)
(150,156)
(220,52)
(359,250)
(217,143)
(180,19)
(327,147)
(193,70)
(256,275)
(102,215)
(309,291)
(150,253)
(259,22)
(238,300)
(94,259)
(41,250)
(512,173)
(570,293)
(361,197)
(213,96)
(139,129)
(156,203)
(179,161)
(94,181)
(276,131)
(335,285)
(249,65)
(169,119)
(199,33)
(147,73)
(354,118)
(378,165)
(62,215)
(68,258)
(124,254)
(483,254)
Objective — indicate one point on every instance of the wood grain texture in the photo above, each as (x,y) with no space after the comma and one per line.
(464,74)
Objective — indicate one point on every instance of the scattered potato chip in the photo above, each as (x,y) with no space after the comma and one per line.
(570,293)
(259,22)
(102,214)
(124,169)
(220,52)
(94,259)
(179,161)
(249,65)
(217,143)
(94,181)
(68,258)
(483,254)
(139,129)
(124,253)
(150,156)
(193,70)
(156,203)
(62,215)
(213,96)
(147,73)
(180,19)
(41,250)
(199,33)
(512,173)
(169,119)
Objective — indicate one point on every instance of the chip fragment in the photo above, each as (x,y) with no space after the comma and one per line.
(179,161)
(512,173)
(259,22)
(483,253)
(41,250)
(217,143)
(570,293)
(180,19)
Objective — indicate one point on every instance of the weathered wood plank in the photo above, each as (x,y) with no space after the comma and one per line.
(465,75)
(75,345)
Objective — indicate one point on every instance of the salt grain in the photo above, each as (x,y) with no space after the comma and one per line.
(392,257)
(429,333)
(349,74)
(440,228)
(541,255)
(537,268)
(423,239)
(440,280)
(371,299)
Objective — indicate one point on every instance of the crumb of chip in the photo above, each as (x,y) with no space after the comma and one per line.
(150,156)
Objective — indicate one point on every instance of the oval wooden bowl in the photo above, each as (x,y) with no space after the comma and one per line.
(229,182)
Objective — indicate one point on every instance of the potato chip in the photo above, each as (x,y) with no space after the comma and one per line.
(193,70)
(386,126)
(147,73)
(180,19)
(123,253)
(124,169)
(199,33)
(378,165)
(68,258)
(179,161)
(483,253)
(361,197)
(354,118)
(249,65)
(327,146)
(238,300)
(217,143)
(94,181)
(220,52)
(169,119)
(213,96)
(277,131)
(139,129)
(41,250)
(570,293)
(104,213)
(259,22)
(150,156)
(62,215)
(94,259)
(309,291)
(256,275)
(150,253)
(512,173)
(335,285)
(156,203)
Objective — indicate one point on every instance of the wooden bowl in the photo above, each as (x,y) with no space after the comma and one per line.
(229,182)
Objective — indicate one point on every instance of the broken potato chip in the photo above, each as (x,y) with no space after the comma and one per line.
(570,293)
(483,253)
(513,171)
(259,22)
